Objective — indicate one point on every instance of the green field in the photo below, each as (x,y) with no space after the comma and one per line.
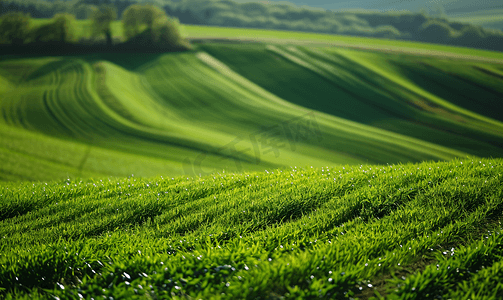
(414,231)
(242,106)
(83,30)
(259,165)
(276,36)
(487,18)
(172,107)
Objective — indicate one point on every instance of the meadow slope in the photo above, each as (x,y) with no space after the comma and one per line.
(454,103)
(414,231)
(204,111)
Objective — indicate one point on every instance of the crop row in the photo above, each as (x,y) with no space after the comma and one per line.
(287,233)
(159,109)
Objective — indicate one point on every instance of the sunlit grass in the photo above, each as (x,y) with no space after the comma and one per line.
(200,112)
(432,228)
(246,34)
(83,30)
(412,95)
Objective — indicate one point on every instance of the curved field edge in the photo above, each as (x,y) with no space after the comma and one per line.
(451,103)
(284,233)
(195,32)
(188,109)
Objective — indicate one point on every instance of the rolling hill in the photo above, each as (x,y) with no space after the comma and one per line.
(134,175)
(450,6)
(242,107)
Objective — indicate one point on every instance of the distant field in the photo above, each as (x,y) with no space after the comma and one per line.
(208,32)
(292,99)
(260,164)
(83,29)
(177,108)
(415,231)
(242,107)
(277,36)
(415,96)
(486,18)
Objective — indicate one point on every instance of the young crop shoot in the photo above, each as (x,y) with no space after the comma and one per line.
(402,231)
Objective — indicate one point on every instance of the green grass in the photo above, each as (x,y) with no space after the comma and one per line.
(239,107)
(410,231)
(246,34)
(278,36)
(92,148)
(83,27)
(415,96)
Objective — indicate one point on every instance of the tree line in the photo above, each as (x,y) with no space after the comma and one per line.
(143,25)
(283,16)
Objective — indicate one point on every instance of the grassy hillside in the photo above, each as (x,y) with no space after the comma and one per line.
(297,171)
(426,98)
(411,231)
(449,6)
(275,36)
(83,30)
(290,100)
(198,114)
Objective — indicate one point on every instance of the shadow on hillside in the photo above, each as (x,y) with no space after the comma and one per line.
(140,44)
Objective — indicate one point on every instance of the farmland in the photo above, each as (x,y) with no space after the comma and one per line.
(277,36)
(487,18)
(410,231)
(267,104)
(260,164)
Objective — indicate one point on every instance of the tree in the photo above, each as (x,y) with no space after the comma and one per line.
(152,15)
(131,21)
(167,34)
(3,5)
(102,18)
(150,25)
(65,24)
(137,16)
(84,11)
(14,28)
(386,31)
(61,30)
(471,36)
(435,31)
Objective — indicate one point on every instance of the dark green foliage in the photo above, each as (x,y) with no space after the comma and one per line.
(102,17)
(84,11)
(435,31)
(404,25)
(404,22)
(14,28)
(36,8)
(131,21)
(161,30)
(60,30)
(167,34)
(386,31)
(472,34)
(136,16)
